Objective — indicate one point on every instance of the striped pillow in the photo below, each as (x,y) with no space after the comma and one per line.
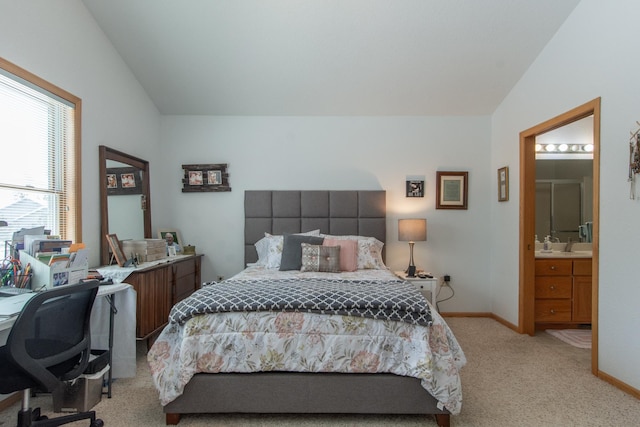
(320,258)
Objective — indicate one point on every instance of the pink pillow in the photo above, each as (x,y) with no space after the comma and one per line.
(348,253)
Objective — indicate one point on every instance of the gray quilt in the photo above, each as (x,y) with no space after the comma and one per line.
(392,300)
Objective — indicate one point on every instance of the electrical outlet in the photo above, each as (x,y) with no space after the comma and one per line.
(446,278)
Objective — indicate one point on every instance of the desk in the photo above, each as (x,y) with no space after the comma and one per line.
(112,327)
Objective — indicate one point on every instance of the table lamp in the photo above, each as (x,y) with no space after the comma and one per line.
(412,230)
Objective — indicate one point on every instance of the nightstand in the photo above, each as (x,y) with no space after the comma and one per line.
(425,285)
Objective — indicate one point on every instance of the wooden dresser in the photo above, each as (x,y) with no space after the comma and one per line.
(159,287)
(563,291)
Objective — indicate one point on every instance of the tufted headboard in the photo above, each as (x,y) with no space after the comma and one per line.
(361,213)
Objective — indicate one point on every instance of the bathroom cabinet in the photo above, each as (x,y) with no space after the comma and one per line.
(563,291)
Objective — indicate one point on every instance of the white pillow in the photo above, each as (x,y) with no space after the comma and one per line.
(269,248)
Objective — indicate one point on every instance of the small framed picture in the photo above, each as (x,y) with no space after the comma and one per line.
(175,234)
(415,188)
(451,190)
(128,180)
(214,177)
(195,178)
(112,181)
(116,249)
(503,184)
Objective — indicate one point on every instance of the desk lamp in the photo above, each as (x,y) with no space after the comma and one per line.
(412,230)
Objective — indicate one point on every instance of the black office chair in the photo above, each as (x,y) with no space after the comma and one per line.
(50,342)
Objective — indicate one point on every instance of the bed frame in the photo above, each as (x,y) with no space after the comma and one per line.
(360,213)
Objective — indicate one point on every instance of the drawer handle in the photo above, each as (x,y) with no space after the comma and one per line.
(553,267)
(552,287)
(552,311)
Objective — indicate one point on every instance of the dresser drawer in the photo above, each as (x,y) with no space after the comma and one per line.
(554,267)
(553,287)
(184,268)
(553,310)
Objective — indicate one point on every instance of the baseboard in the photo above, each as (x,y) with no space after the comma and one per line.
(465,314)
(619,384)
(483,314)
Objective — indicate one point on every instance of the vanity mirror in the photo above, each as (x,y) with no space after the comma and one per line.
(125,208)
(564,181)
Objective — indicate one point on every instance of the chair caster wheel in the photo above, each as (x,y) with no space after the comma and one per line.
(97,423)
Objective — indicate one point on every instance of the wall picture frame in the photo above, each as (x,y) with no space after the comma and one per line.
(415,188)
(503,184)
(451,190)
(200,178)
(116,249)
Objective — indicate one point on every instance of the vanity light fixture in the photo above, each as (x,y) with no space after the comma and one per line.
(564,148)
(412,230)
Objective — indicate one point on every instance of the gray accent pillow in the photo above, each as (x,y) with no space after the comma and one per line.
(292,250)
(320,258)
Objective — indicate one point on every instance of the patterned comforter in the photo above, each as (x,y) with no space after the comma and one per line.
(400,336)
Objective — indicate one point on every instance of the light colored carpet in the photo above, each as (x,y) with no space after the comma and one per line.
(580,338)
(510,380)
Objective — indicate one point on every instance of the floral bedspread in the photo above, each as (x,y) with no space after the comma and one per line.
(308,342)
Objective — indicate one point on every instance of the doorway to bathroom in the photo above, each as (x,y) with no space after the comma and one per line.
(528,140)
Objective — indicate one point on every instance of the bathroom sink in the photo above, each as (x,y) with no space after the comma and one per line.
(562,254)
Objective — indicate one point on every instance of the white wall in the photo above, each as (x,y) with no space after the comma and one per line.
(60,42)
(594,54)
(319,153)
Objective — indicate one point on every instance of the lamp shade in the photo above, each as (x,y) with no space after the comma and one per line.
(412,230)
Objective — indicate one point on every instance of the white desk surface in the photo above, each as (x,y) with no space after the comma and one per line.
(124,348)
(17,302)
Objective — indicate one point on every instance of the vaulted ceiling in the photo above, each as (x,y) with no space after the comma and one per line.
(329,57)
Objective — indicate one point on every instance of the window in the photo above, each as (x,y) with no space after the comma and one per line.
(40,169)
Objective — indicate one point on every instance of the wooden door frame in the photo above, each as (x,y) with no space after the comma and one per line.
(526,321)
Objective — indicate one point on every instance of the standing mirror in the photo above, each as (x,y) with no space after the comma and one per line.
(125,205)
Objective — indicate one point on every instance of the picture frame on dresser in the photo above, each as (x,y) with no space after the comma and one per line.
(162,233)
(451,190)
(116,249)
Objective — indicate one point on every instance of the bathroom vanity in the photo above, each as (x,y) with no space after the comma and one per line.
(562,289)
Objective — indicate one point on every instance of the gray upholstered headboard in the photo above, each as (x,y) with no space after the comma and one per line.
(361,213)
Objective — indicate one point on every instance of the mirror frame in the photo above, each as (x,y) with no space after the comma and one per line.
(106,153)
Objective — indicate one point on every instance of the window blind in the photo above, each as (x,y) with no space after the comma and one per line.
(38,176)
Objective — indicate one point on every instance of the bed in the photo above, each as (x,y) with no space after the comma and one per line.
(358,341)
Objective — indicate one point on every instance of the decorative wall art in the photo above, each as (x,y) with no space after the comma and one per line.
(415,186)
(634,160)
(205,177)
(122,181)
(451,190)
(503,184)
